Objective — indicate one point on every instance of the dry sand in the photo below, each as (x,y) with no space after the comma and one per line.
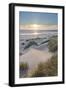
(33,57)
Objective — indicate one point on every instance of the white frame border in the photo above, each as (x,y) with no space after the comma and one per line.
(40,79)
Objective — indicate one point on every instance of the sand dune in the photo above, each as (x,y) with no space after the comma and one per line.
(34,56)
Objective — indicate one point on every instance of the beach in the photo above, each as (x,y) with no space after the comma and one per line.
(34,56)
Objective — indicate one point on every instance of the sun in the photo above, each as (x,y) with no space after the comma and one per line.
(35,26)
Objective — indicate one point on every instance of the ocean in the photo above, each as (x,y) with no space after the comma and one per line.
(28,34)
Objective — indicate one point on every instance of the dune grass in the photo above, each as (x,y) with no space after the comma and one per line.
(46,69)
(53,44)
(24,66)
(24,69)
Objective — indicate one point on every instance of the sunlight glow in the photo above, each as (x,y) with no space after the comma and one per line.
(35,26)
(35,33)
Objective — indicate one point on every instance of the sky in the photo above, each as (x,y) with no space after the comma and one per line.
(37,21)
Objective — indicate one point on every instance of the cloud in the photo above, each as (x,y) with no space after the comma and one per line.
(38,27)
